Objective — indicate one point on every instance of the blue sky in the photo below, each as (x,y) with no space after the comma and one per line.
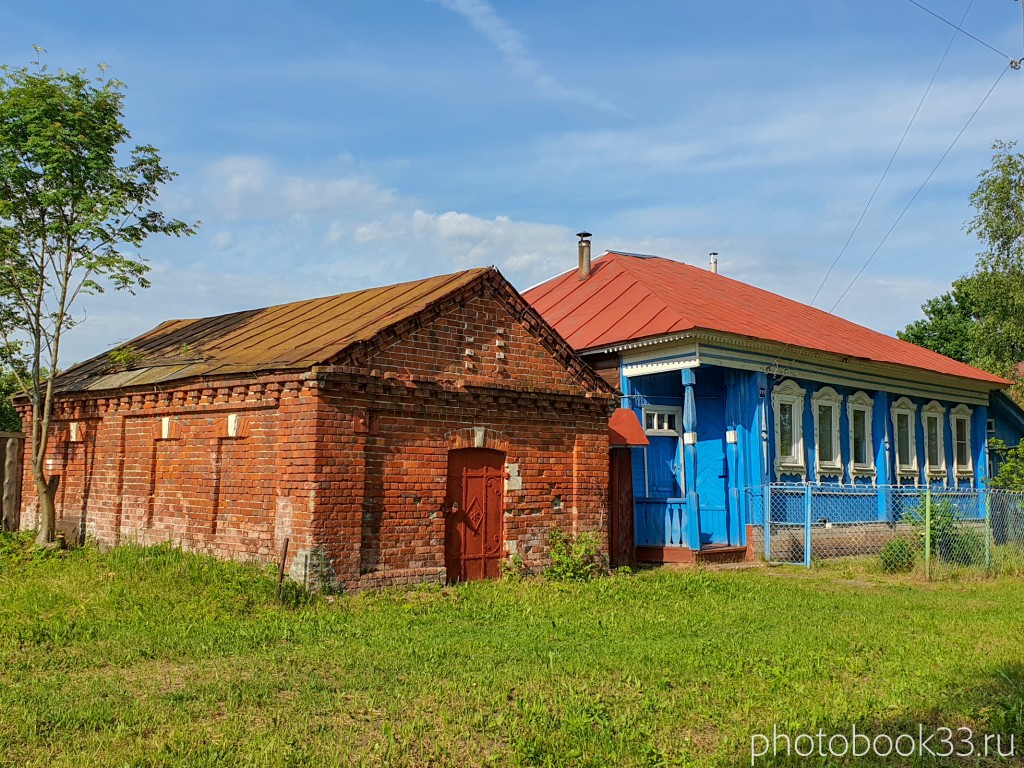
(331,146)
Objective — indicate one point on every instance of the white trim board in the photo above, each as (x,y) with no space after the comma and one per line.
(707,347)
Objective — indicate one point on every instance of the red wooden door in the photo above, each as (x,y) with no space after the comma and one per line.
(473,538)
(621,549)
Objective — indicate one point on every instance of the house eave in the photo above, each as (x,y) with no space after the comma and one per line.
(777,359)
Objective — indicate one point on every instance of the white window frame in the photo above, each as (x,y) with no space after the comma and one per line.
(789,392)
(906,407)
(934,410)
(962,413)
(828,398)
(664,409)
(862,401)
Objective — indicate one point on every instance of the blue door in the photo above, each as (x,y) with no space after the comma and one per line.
(663,468)
(712,470)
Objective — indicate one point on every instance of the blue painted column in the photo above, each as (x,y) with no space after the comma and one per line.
(690,460)
(733,402)
(758,453)
(979,445)
(883,464)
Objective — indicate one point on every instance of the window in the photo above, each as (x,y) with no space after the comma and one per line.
(788,404)
(933,423)
(860,408)
(903,411)
(960,427)
(662,420)
(825,407)
(662,462)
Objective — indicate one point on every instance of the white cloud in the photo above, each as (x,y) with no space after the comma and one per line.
(222,240)
(522,250)
(512,46)
(668,189)
(249,187)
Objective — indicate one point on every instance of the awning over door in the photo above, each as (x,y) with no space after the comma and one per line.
(624,429)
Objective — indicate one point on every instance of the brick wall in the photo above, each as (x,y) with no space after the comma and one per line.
(396,496)
(129,475)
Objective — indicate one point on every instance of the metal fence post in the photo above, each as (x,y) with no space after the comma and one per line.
(988,529)
(767,512)
(807,526)
(928,532)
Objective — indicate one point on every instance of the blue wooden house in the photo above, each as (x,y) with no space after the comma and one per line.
(738,388)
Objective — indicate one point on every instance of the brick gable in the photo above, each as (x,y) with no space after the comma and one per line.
(487,338)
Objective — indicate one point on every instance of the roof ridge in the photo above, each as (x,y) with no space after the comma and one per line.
(626,264)
(292,334)
(671,296)
(282,304)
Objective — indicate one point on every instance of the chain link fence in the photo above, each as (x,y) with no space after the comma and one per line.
(935,530)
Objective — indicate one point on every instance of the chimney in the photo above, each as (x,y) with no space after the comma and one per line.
(584,248)
(713,263)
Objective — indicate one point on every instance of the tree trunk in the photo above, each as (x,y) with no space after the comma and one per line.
(47,492)
(13,478)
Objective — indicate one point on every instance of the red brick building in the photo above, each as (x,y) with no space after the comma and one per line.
(417,432)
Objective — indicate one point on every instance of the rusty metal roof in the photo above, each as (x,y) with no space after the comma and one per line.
(630,297)
(284,337)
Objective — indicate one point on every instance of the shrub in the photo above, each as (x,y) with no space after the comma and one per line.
(953,539)
(513,568)
(964,546)
(576,559)
(897,556)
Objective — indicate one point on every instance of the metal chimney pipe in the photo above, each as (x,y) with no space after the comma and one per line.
(713,262)
(584,252)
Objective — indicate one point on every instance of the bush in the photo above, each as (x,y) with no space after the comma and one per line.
(513,568)
(897,556)
(964,546)
(576,559)
(953,538)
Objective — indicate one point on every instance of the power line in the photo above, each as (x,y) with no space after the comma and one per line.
(902,213)
(918,192)
(903,138)
(957,27)
(885,172)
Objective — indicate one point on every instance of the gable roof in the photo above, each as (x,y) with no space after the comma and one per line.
(629,297)
(293,336)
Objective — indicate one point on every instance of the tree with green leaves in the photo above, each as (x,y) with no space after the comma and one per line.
(981,319)
(75,206)
(10,421)
(1010,462)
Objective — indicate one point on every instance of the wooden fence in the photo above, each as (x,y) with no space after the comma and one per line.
(12,446)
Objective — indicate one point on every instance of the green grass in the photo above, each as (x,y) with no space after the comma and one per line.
(151,657)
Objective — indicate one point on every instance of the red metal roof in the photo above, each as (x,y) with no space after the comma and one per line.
(624,428)
(630,297)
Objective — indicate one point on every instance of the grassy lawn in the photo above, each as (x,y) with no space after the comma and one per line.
(150,657)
